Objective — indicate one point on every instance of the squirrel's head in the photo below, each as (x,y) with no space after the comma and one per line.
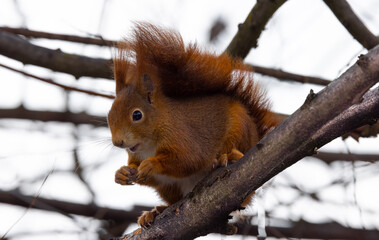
(132,115)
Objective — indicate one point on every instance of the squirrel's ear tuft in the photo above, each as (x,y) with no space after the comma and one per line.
(123,68)
(120,84)
(149,86)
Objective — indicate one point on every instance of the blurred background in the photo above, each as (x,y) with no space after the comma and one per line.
(55,145)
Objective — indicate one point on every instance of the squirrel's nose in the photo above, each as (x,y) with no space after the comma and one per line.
(118,143)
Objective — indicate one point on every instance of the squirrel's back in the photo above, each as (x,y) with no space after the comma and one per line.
(186,71)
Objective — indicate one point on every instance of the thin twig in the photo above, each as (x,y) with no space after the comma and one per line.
(65,87)
(65,37)
(31,204)
(352,23)
(330,157)
(287,76)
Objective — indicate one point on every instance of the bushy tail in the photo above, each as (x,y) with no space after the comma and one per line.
(186,71)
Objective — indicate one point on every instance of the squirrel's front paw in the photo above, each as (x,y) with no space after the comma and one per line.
(225,159)
(146,169)
(126,175)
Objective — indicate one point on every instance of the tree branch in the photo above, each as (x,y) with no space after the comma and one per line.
(329,157)
(19,49)
(370,130)
(352,23)
(100,121)
(45,116)
(303,229)
(65,87)
(15,198)
(249,31)
(65,37)
(287,76)
(206,209)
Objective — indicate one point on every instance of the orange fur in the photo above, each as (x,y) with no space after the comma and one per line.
(196,108)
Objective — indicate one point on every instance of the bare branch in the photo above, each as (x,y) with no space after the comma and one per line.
(330,157)
(300,229)
(370,130)
(100,121)
(287,76)
(15,198)
(65,37)
(56,60)
(78,171)
(65,87)
(19,49)
(45,116)
(352,23)
(208,206)
(249,31)
(303,229)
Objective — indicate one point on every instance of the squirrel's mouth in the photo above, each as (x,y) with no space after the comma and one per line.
(134,148)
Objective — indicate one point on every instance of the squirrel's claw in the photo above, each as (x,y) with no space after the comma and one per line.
(221,161)
(126,175)
(226,159)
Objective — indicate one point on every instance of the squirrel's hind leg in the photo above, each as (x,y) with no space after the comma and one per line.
(147,217)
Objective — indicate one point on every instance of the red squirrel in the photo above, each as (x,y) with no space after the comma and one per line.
(180,112)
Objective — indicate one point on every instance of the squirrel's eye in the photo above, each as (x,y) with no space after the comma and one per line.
(137,115)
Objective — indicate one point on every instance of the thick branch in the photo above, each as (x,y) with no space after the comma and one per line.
(287,76)
(352,23)
(249,31)
(19,49)
(65,37)
(65,87)
(45,116)
(208,206)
